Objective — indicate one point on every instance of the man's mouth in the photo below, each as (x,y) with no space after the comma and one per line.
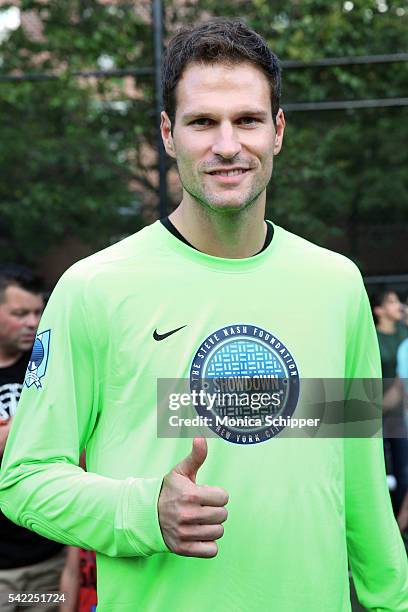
(235,172)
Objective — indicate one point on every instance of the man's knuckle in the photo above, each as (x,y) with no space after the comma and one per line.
(223,515)
(185,516)
(187,497)
(183,534)
(183,549)
(212,550)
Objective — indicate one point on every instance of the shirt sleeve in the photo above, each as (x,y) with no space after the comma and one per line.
(402,363)
(376,552)
(41,485)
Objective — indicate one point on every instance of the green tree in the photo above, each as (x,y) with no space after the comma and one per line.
(71,149)
(78,155)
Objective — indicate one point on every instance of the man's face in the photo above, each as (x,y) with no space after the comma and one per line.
(224,124)
(391,308)
(20,313)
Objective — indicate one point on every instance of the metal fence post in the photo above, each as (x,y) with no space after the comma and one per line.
(157,22)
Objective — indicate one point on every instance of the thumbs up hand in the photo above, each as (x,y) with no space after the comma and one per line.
(191,516)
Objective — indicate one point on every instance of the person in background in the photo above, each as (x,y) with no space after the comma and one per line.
(402,371)
(79,576)
(391,331)
(79,579)
(405,311)
(28,562)
(403,519)
(402,365)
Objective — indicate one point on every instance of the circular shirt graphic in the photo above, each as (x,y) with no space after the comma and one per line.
(247,381)
(37,354)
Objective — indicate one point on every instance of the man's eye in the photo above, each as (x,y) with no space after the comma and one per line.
(248,120)
(201,121)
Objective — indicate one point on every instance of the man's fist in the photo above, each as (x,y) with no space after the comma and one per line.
(191,516)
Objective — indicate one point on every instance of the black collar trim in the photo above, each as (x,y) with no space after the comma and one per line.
(173,230)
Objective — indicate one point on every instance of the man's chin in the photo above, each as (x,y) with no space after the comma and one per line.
(25,346)
(227,205)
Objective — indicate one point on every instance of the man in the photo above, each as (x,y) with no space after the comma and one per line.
(402,371)
(391,331)
(402,364)
(28,562)
(214,289)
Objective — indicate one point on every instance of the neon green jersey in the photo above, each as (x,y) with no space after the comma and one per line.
(298,507)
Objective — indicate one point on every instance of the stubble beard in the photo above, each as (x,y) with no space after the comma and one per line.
(214,203)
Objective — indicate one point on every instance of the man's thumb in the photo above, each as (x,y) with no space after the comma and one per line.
(191,464)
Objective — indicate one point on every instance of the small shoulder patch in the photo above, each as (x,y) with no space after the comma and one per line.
(37,366)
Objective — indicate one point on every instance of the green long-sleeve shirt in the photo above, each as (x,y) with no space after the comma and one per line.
(299,507)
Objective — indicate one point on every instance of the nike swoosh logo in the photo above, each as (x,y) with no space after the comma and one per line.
(159,337)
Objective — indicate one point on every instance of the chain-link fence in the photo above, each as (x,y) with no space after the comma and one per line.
(78,140)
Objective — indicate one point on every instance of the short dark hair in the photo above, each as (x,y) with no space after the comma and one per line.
(217,40)
(378,298)
(19,276)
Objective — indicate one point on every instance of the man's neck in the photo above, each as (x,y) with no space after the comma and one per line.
(8,357)
(386,326)
(233,235)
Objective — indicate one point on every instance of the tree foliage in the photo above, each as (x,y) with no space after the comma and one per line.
(71,149)
(77,155)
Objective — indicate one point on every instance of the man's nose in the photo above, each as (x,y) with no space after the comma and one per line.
(32,320)
(227,144)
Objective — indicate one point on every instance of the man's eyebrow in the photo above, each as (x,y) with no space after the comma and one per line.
(245,112)
(254,112)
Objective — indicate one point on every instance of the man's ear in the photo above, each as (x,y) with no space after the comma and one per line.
(165,128)
(377,310)
(280,128)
